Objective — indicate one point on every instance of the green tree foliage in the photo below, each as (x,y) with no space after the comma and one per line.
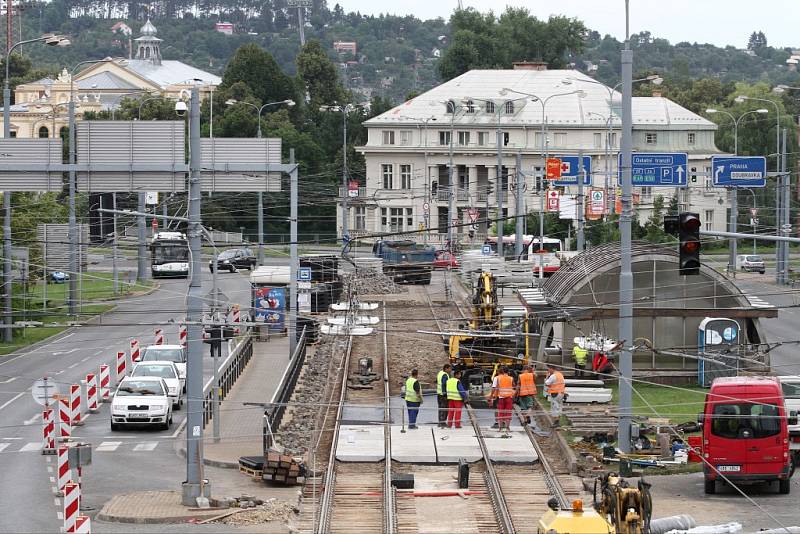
(255,67)
(757,41)
(318,75)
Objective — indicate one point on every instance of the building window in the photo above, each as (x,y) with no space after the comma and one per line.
(709,182)
(651,138)
(463,138)
(560,139)
(709,220)
(13,133)
(384,219)
(395,219)
(539,139)
(692,137)
(360,218)
(506,138)
(451,107)
(388,137)
(614,139)
(387,172)
(483,138)
(409,218)
(44,132)
(470,106)
(444,138)
(405,137)
(646,192)
(489,107)
(405,176)
(509,109)
(598,140)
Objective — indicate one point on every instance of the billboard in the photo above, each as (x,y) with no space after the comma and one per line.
(270,305)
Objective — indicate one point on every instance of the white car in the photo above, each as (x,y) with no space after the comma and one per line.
(141,401)
(790,384)
(167,353)
(169,372)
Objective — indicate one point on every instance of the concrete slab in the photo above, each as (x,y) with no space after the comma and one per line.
(516,449)
(413,446)
(360,443)
(455,443)
(586,395)
(355,414)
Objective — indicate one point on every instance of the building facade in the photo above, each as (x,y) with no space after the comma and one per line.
(408,180)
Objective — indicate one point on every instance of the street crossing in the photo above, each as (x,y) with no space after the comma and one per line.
(102,447)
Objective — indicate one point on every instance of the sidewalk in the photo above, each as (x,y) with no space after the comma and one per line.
(241,426)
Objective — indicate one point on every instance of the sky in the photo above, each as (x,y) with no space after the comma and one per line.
(720,22)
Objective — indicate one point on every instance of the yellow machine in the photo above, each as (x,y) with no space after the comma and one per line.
(574,521)
(496,335)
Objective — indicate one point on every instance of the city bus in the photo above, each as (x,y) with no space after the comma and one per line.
(169,255)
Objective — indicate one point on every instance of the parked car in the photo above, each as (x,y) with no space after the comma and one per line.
(235,258)
(168,353)
(59,277)
(746,433)
(790,384)
(750,263)
(445,260)
(169,372)
(141,401)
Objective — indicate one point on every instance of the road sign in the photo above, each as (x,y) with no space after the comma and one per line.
(303,285)
(657,169)
(486,250)
(473,214)
(426,207)
(739,171)
(304,274)
(44,391)
(352,188)
(151,198)
(597,202)
(754,212)
(553,166)
(552,200)
(570,169)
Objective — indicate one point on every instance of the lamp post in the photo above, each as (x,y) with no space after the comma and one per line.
(143,102)
(734,216)
(344,109)
(118,98)
(260,110)
(753,224)
(50,40)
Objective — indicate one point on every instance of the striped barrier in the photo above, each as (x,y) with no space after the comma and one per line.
(122,366)
(64,473)
(236,319)
(64,418)
(91,392)
(72,506)
(159,337)
(83,525)
(48,431)
(135,350)
(183,335)
(75,405)
(104,390)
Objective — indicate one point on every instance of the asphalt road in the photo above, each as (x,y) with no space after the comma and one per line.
(125,461)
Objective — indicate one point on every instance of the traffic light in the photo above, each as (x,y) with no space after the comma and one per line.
(689,239)
(434,189)
(671,224)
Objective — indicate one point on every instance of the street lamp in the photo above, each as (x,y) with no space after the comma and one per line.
(290,103)
(143,102)
(734,192)
(117,98)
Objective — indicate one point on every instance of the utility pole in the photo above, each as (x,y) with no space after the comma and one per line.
(541,196)
(260,228)
(345,190)
(141,225)
(450,190)
(194,486)
(579,203)
(293,258)
(786,182)
(114,243)
(499,189)
(625,274)
(73,226)
(519,209)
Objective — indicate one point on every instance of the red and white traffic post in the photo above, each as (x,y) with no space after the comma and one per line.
(64,418)
(122,366)
(104,390)
(135,351)
(64,473)
(75,405)
(72,505)
(183,335)
(48,430)
(236,319)
(159,337)
(91,392)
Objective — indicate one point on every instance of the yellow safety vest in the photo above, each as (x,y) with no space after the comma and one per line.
(439,382)
(580,355)
(452,390)
(411,395)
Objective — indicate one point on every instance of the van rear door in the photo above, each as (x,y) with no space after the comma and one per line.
(727,444)
(765,448)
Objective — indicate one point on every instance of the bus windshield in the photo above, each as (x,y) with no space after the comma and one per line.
(549,247)
(170,252)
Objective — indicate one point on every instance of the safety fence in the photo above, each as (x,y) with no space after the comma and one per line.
(273,414)
(228,372)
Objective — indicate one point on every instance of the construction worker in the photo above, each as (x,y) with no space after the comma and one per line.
(456,397)
(441,393)
(413,398)
(601,365)
(554,387)
(580,355)
(526,392)
(503,391)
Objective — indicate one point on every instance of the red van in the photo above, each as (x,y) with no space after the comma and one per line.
(745,433)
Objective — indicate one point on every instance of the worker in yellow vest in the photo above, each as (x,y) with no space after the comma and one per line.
(580,355)
(554,387)
(456,397)
(413,396)
(526,391)
(441,393)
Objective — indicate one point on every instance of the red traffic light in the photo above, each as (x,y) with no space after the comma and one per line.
(690,247)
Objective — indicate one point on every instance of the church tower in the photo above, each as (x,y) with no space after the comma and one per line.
(148,46)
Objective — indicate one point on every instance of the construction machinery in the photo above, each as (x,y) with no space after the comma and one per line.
(406,261)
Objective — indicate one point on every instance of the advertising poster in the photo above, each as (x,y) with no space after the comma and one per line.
(271,307)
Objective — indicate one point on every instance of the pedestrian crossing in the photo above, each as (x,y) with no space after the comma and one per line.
(102,447)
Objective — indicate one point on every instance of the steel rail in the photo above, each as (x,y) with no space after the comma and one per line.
(389,495)
(550,477)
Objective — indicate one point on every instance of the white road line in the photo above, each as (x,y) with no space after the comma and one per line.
(33,419)
(86,358)
(60,515)
(32,446)
(108,446)
(18,395)
(37,350)
(57,501)
(53,479)
(59,353)
(4,446)
(99,352)
(73,365)
(179,429)
(49,468)
(9,380)
(145,446)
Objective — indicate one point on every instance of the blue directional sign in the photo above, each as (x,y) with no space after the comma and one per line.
(739,171)
(304,274)
(570,169)
(657,169)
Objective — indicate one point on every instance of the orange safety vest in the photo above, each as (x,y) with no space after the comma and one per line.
(505,386)
(558,386)
(527,386)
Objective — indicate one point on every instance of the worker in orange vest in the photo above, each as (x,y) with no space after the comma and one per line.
(526,391)
(503,391)
(554,387)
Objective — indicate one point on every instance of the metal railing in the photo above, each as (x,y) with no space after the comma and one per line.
(229,371)
(273,415)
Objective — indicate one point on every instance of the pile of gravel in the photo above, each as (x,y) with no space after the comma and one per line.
(367,281)
(270,510)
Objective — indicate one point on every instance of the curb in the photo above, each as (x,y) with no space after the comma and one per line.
(153,520)
(222,464)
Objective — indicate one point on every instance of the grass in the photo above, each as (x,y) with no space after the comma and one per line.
(95,286)
(680,404)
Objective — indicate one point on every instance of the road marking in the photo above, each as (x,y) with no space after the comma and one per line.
(33,419)
(179,429)
(57,501)
(59,372)
(52,479)
(18,395)
(86,358)
(99,352)
(49,468)
(73,365)
(9,380)
(108,446)
(34,351)
(60,515)
(59,353)
(4,446)
(32,446)
(145,446)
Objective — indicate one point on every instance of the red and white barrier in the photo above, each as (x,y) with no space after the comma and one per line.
(48,431)
(135,355)
(72,506)
(104,390)
(64,418)
(83,525)
(236,319)
(122,366)
(183,335)
(91,392)
(64,473)
(159,337)
(75,405)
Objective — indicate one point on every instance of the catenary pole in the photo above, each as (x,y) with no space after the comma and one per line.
(625,274)
(114,243)
(786,183)
(580,204)
(293,185)
(141,259)
(498,188)
(519,209)
(542,193)
(73,227)
(345,191)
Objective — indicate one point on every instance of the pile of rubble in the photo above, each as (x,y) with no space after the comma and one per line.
(255,511)
(367,281)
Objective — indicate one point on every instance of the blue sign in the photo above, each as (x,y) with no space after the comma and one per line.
(486,250)
(304,274)
(570,169)
(271,307)
(739,171)
(653,170)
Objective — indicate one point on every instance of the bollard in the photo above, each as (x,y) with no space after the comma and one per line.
(64,418)
(72,506)
(75,405)
(236,319)
(104,391)
(159,337)
(64,473)
(84,406)
(48,431)
(134,351)
(91,392)
(183,335)
(83,525)
(122,366)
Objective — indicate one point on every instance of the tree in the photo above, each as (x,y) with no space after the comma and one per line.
(654,227)
(757,41)
(256,68)
(319,76)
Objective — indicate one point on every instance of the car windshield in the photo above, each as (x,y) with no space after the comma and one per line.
(745,420)
(754,258)
(141,388)
(791,390)
(228,254)
(161,371)
(168,355)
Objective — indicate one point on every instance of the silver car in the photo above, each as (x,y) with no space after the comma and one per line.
(169,372)
(169,353)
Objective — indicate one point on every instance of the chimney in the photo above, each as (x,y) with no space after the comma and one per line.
(530,65)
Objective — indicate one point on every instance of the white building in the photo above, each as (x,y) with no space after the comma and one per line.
(407,151)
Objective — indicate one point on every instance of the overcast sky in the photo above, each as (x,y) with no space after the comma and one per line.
(721,22)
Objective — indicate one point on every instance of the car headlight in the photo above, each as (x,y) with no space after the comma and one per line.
(173,391)
(225,261)
(159,409)
(117,407)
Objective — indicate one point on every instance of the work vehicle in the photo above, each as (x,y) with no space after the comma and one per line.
(235,258)
(405,260)
(495,336)
(746,433)
(166,370)
(548,257)
(790,385)
(167,353)
(169,255)
(141,401)
(750,263)
(445,260)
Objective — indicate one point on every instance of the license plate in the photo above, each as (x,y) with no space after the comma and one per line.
(137,414)
(729,468)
